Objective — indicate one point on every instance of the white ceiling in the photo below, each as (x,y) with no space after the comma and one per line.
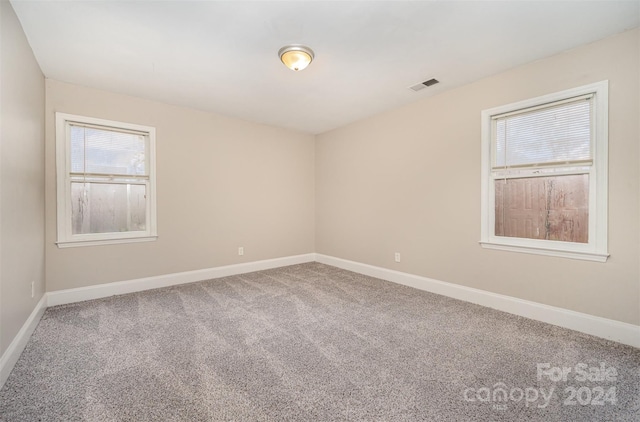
(221,56)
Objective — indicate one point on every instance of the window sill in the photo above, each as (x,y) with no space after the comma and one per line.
(74,243)
(581,255)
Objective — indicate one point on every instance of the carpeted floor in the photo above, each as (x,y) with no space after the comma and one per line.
(311,342)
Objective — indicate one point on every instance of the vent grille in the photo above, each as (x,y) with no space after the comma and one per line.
(423,85)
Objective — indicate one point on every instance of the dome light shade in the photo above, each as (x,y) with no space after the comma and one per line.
(295,56)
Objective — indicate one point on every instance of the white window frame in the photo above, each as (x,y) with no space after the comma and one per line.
(63,176)
(596,248)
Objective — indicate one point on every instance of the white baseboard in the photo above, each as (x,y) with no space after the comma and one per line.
(13,352)
(609,329)
(61,297)
(601,327)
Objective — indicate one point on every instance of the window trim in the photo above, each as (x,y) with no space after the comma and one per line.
(65,238)
(596,248)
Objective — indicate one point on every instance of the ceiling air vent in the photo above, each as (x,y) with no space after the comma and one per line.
(423,85)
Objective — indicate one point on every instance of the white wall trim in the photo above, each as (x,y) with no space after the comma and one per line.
(65,177)
(13,352)
(61,297)
(597,326)
(596,247)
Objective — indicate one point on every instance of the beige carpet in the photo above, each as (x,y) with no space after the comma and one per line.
(311,342)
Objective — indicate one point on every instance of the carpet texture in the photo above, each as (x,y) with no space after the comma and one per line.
(312,342)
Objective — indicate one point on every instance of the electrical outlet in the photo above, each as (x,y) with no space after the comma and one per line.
(397,256)
(241,251)
(33,289)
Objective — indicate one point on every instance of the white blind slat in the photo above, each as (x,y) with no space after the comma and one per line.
(556,133)
(103,151)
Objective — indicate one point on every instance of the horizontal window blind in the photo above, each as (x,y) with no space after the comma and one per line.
(102,151)
(559,132)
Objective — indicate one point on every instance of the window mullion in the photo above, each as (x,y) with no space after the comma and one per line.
(111,163)
(552,160)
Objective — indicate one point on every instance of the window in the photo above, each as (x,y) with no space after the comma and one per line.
(105,181)
(544,175)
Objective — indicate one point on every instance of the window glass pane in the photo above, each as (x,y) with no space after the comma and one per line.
(551,134)
(551,208)
(107,152)
(108,207)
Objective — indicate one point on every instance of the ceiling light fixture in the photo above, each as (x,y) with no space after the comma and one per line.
(296,56)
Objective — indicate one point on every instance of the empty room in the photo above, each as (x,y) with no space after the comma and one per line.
(319,210)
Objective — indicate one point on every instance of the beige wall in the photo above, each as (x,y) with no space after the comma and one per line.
(221,183)
(405,181)
(22,178)
(408,181)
